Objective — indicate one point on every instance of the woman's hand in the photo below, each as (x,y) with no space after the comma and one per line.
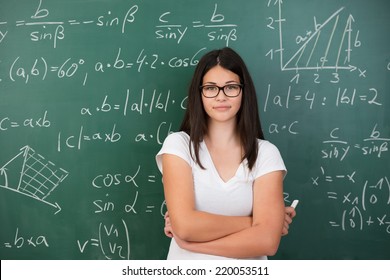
(168,228)
(169,233)
(288,217)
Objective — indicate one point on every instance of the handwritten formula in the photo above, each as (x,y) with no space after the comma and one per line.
(352,166)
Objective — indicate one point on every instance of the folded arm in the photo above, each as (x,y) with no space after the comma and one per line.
(289,215)
(188,223)
(263,236)
(228,236)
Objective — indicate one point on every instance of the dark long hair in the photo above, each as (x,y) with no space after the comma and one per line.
(195,122)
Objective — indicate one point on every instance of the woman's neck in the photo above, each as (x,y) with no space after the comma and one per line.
(222,134)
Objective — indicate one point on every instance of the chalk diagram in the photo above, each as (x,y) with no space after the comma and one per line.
(328,46)
(37,178)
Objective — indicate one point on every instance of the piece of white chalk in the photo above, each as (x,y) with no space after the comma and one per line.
(294,203)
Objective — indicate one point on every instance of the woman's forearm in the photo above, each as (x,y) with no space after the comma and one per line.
(250,242)
(200,226)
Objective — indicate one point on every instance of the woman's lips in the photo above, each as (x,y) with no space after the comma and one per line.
(221,108)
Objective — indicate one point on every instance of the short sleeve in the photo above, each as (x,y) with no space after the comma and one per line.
(176,144)
(268,160)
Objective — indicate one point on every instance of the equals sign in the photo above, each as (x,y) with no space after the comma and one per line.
(14,124)
(363,97)
(7,245)
(129,65)
(54,68)
(73,22)
(297,97)
(117,107)
(334,224)
(332,195)
(152,178)
(197,24)
(328,178)
(20,22)
(149,209)
(95,242)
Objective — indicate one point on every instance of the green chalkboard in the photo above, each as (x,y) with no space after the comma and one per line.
(90,89)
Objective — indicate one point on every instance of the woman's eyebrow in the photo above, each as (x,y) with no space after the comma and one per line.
(228,82)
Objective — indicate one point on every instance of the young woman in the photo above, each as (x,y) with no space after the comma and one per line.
(223,183)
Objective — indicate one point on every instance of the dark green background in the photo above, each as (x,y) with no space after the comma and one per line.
(93,81)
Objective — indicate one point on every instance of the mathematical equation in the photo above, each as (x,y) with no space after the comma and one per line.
(360,211)
(113,241)
(344,97)
(39,69)
(21,240)
(78,139)
(114,182)
(42,28)
(42,121)
(364,210)
(137,102)
(337,148)
(320,59)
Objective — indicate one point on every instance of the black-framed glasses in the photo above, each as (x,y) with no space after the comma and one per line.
(231,90)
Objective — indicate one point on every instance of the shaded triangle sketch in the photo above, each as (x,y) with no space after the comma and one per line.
(327,46)
(36,176)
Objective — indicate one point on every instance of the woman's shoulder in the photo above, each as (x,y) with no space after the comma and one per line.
(268,152)
(265,145)
(177,137)
(268,158)
(175,143)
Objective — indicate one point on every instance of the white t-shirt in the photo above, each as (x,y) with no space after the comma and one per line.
(212,194)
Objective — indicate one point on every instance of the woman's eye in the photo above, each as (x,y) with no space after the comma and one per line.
(210,88)
(232,87)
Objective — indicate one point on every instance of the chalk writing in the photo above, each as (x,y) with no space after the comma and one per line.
(41,68)
(41,23)
(113,241)
(77,141)
(110,180)
(342,98)
(326,52)
(162,131)
(360,209)
(312,56)
(44,29)
(38,177)
(220,30)
(138,102)
(337,148)
(21,241)
(114,182)
(42,122)
(97,87)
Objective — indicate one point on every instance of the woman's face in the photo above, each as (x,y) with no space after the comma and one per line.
(221,108)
